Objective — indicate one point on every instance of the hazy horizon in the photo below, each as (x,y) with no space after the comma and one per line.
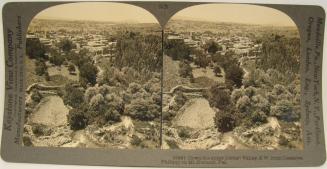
(125,13)
(98,11)
(235,13)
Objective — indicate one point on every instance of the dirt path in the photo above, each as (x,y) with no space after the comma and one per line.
(197,114)
(51,111)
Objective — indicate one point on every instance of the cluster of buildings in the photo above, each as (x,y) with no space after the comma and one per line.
(242,46)
(97,44)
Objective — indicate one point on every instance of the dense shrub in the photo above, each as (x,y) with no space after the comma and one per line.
(201,59)
(177,49)
(212,47)
(34,49)
(88,74)
(256,78)
(285,110)
(226,120)
(77,119)
(280,53)
(260,103)
(235,74)
(243,105)
(218,97)
(185,70)
(40,68)
(66,45)
(73,96)
(259,117)
(141,52)
(236,94)
(57,60)
(184,133)
(144,110)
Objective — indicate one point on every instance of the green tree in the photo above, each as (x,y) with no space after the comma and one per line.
(177,50)
(88,73)
(40,68)
(235,74)
(57,60)
(34,49)
(73,96)
(77,119)
(226,120)
(66,45)
(280,53)
(218,97)
(200,59)
(185,70)
(212,47)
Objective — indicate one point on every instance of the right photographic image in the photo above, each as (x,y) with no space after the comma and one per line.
(231,79)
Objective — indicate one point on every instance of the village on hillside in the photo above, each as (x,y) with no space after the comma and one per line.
(92,84)
(222,88)
(195,84)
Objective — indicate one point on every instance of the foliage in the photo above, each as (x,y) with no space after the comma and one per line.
(73,96)
(177,50)
(212,47)
(88,73)
(184,133)
(40,68)
(138,51)
(243,105)
(218,97)
(57,59)
(200,59)
(142,109)
(34,49)
(259,117)
(226,120)
(285,110)
(66,45)
(256,78)
(185,70)
(77,119)
(235,74)
(280,53)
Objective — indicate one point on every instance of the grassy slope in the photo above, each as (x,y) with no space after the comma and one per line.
(31,77)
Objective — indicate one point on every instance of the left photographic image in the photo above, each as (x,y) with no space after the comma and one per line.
(93,77)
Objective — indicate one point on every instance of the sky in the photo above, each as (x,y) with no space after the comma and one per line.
(238,13)
(119,12)
(98,11)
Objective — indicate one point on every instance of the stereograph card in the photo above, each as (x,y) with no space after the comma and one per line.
(163,84)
